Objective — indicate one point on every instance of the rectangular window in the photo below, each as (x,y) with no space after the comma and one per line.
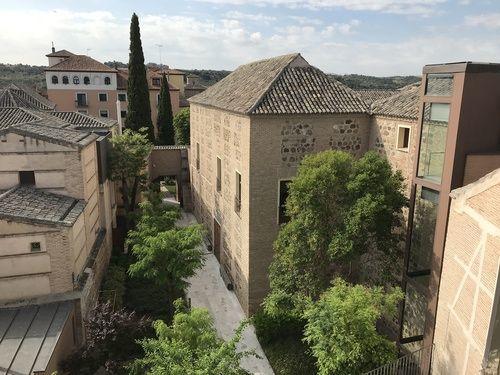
(35,247)
(123,114)
(103,97)
(423,228)
(27,177)
(415,306)
(237,198)
(122,97)
(197,156)
(439,85)
(156,81)
(403,142)
(282,216)
(219,174)
(433,141)
(103,113)
(157,99)
(81,99)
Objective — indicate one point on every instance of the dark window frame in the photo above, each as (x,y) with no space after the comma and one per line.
(27,178)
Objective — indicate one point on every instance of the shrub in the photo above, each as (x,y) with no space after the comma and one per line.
(113,288)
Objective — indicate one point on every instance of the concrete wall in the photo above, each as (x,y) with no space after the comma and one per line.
(465,334)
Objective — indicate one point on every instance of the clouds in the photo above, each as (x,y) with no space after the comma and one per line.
(229,37)
(490,21)
(423,7)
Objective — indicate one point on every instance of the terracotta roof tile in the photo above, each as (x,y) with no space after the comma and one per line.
(80,63)
(370,96)
(404,104)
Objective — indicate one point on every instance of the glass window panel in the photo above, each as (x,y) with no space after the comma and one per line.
(439,85)
(415,308)
(433,141)
(423,227)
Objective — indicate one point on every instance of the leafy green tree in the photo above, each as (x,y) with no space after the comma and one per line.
(164,123)
(139,110)
(128,162)
(341,328)
(190,346)
(182,127)
(342,212)
(165,254)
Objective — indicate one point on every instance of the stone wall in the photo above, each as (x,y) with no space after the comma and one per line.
(467,334)
(224,135)
(383,139)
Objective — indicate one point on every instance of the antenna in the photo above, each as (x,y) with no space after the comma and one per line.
(53,48)
(159,50)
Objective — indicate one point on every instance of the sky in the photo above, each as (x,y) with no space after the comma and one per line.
(375,37)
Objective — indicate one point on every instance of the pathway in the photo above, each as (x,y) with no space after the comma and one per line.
(208,290)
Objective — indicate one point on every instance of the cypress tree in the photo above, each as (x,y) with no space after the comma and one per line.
(139,110)
(165,121)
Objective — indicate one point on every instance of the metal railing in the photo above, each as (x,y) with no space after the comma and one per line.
(407,365)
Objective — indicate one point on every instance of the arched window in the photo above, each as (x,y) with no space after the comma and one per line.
(107,81)
(86,80)
(76,80)
(65,80)
(55,80)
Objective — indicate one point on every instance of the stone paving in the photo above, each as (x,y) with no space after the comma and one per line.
(208,290)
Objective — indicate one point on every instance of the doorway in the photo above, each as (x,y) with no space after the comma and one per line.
(217,241)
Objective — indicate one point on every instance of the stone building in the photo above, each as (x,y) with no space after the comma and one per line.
(246,145)
(57,212)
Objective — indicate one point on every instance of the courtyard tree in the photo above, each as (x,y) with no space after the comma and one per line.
(128,161)
(164,123)
(182,127)
(341,328)
(344,220)
(190,345)
(167,257)
(139,110)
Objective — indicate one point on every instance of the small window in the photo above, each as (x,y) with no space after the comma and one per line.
(107,81)
(103,113)
(123,114)
(65,80)
(284,190)
(27,177)
(237,198)
(35,247)
(197,156)
(86,80)
(81,99)
(76,80)
(122,97)
(55,80)
(219,174)
(403,138)
(103,97)
(156,82)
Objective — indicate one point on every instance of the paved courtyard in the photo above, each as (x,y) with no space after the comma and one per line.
(208,290)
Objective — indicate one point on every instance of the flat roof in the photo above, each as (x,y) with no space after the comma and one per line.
(29,335)
(463,66)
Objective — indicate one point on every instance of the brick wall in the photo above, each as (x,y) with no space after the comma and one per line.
(465,335)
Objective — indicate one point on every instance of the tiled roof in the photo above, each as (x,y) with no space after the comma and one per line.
(29,336)
(369,96)
(83,121)
(80,63)
(10,116)
(280,85)
(308,90)
(404,104)
(60,53)
(15,95)
(42,130)
(35,206)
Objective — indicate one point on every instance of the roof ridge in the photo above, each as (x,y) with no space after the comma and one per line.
(9,191)
(259,100)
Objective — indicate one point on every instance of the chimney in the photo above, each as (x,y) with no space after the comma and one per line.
(53,48)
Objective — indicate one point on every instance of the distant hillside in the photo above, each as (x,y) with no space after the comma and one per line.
(26,74)
(361,82)
(34,76)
